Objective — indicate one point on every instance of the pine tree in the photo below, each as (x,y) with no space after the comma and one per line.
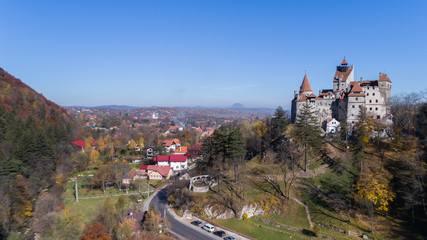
(279,122)
(307,131)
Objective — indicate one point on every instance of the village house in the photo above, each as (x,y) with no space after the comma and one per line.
(170,145)
(150,172)
(176,162)
(155,172)
(82,144)
(181,150)
(174,129)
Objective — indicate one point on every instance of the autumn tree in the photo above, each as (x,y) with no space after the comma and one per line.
(95,231)
(20,202)
(151,221)
(108,216)
(307,131)
(278,178)
(88,144)
(375,192)
(66,226)
(362,130)
(94,155)
(100,144)
(261,129)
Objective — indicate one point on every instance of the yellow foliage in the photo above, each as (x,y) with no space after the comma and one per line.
(94,156)
(371,189)
(260,128)
(27,212)
(59,178)
(88,144)
(132,144)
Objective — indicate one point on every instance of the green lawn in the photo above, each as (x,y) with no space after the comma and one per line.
(244,226)
(294,215)
(87,208)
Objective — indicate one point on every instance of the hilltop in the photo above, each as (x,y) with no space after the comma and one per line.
(18,96)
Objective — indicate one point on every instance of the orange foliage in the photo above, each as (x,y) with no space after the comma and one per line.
(95,232)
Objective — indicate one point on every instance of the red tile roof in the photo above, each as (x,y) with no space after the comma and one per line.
(171,158)
(305,86)
(79,143)
(356,91)
(356,87)
(181,150)
(344,62)
(82,143)
(384,77)
(340,72)
(163,170)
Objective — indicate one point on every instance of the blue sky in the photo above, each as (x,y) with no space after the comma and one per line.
(209,53)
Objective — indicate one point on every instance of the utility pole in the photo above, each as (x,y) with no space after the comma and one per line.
(77,192)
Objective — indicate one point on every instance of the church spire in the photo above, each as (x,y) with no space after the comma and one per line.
(305,86)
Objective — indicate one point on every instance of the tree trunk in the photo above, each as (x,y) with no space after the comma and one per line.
(305,157)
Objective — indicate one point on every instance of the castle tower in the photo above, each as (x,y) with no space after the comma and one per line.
(343,76)
(305,87)
(356,101)
(384,85)
(304,96)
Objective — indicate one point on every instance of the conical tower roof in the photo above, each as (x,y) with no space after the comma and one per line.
(344,62)
(305,86)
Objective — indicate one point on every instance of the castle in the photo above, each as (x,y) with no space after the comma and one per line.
(343,101)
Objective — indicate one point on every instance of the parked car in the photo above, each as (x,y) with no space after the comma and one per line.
(208,227)
(197,223)
(229,238)
(219,233)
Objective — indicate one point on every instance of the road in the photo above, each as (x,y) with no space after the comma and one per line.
(179,227)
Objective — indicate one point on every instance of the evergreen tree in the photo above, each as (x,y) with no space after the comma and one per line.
(307,131)
(279,123)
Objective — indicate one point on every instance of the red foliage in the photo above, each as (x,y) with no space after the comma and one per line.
(95,232)
(20,94)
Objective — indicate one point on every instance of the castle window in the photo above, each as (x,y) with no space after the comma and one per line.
(368,87)
(353,106)
(373,94)
(378,116)
(370,109)
(376,109)
(370,101)
(367,94)
(376,101)
(357,99)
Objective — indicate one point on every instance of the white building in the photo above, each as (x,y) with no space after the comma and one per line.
(176,162)
(332,126)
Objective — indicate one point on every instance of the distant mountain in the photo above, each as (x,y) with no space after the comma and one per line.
(115,107)
(125,107)
(237,106)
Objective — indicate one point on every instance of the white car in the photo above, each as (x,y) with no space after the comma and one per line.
(209,227)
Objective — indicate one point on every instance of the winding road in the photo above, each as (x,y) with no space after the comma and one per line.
(179,227)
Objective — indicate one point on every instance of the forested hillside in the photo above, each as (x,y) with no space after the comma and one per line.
(34,150)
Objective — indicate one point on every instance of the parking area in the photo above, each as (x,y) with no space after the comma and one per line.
(217,231)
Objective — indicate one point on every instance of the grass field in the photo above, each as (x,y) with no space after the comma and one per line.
(294,215)
(244,226)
